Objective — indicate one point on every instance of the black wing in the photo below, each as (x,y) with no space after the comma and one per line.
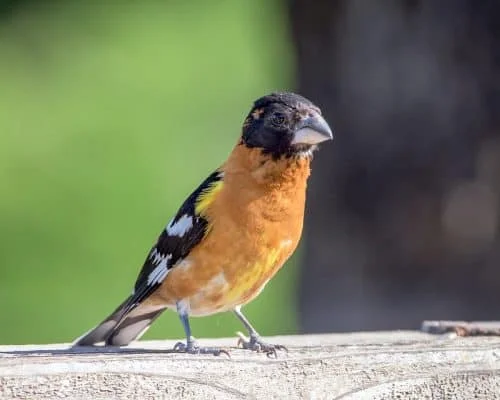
(175,242)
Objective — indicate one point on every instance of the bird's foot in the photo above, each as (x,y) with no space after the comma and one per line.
(255,343)
(191,347)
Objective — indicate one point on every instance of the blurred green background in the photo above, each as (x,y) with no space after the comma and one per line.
(109,116)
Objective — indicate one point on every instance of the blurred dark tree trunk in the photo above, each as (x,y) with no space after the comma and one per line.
(403,208)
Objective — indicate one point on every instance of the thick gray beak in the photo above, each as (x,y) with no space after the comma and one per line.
(312,130)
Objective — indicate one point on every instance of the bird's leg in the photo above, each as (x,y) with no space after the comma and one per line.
(255,342)
(191,346)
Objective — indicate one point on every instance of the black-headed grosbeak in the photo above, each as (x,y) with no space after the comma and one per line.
(233,233)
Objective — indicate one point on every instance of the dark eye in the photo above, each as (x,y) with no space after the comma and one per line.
(278,119)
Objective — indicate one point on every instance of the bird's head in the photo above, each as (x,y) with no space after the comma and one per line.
(285,124)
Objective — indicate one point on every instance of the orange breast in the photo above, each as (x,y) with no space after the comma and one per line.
(255,224)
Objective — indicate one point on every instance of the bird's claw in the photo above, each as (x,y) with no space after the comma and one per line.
(255,343)
(193,348)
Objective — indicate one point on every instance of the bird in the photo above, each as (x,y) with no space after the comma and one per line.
(232,234)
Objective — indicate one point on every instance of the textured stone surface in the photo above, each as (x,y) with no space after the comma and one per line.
(376,365)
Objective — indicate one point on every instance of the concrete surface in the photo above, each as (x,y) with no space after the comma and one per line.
(377,365)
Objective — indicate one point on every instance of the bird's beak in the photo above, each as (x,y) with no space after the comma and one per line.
(312,129)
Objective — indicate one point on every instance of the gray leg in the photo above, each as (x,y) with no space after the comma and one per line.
(255,342)
(191,347)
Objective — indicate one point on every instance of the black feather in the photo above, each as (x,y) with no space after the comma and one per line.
(172,246)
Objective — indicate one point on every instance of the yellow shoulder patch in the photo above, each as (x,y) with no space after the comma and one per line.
(207,196)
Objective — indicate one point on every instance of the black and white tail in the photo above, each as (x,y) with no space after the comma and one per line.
(123,326)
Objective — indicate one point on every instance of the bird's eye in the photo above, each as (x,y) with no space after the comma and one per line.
(278,119)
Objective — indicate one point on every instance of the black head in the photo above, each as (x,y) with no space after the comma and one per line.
(285,124)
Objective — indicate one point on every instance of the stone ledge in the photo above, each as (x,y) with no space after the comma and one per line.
(371,365)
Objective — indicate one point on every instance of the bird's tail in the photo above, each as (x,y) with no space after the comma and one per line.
(125,324)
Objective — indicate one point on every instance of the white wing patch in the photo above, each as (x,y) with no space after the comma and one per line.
(161,270)
(156,256)
(179,228)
